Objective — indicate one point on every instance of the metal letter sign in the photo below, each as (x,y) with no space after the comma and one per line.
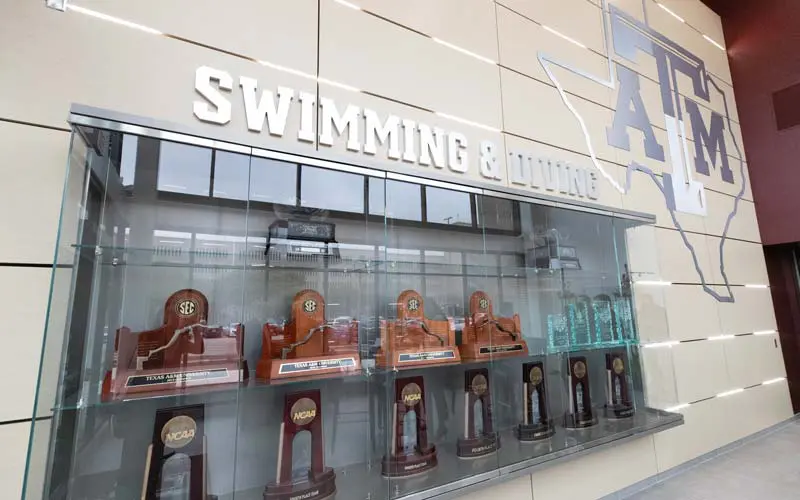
(682,191)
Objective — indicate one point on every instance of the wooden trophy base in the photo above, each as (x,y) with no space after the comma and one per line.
(621,411)
(307,488)
(424,356)
(535,432)
(579,420)
(479,446)
(409,465)
(277,369)
(479,351)
(145,382)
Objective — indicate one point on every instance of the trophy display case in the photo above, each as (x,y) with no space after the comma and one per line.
(416,337)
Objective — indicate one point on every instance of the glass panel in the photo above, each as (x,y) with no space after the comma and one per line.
(231,175)
(183,169)
(273,181)
(438,403)
(331,190)
(310,299)
(444,206)
(407,200)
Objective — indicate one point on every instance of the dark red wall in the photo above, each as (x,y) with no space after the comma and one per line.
(763,40)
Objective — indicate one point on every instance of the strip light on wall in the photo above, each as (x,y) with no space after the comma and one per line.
(467,122)
(721,337)
(348,4)
(668,343)
(676,16)
(754,285)
(765,332)
(674,409)
(565,37)
(773,381)
(715,44)
(653,283)
(730,393)
(463,51)
(115,20)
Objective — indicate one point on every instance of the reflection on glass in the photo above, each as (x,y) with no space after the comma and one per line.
(537,414)
(448,207)
(331,190)
(184,169)
(410,431)
(273,181)
(231,175)
(496,213)
(402,199)
(477,412)
(579,398)
(301,454)
(127,168)
(175,478)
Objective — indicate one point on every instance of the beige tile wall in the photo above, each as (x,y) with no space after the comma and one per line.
(60,58)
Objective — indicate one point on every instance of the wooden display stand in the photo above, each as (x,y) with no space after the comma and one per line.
(185,352)
(409,452)
(485,336)
(477,442)
(302,411)
(412,340)
(175,466)
(308,345)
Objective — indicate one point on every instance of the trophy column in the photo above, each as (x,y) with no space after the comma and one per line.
(619,402)
(409,451)
(580,412)
(302,413)
(175,466)
(478,440)
(536,423)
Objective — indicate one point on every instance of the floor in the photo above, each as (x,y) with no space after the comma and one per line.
(767,469)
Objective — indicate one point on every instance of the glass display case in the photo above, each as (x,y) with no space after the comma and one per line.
(230,322)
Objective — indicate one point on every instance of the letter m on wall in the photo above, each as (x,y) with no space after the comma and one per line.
(712,139)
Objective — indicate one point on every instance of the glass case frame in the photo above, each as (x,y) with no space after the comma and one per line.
(496,299)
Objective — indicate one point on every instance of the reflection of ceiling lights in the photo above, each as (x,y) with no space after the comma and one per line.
(715,44)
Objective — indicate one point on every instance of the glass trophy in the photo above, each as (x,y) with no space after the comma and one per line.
(605,321)
(579,320)
(557,331)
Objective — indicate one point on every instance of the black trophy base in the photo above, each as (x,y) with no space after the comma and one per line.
(479,446)
(535,432)
(618,411)
(409,465)
(308,488)
(579,420)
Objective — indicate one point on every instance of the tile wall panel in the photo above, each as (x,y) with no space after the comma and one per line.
(469,24)
(252,28)
(455,83)
(24,306)
(33,173)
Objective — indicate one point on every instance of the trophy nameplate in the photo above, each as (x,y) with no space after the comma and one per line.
(618,404)
(486,336)
(413,340)
(184,352)
(409,452)
(536,423)
(302,411)
(308,346)
(479,437)
(580,412)
(175,466)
